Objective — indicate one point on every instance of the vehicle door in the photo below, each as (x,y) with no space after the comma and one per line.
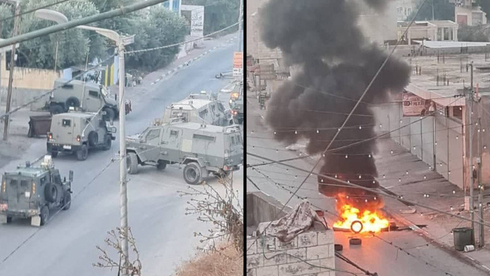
(171,143)
(18,193)
(93,101)
(149,147)
(64,132)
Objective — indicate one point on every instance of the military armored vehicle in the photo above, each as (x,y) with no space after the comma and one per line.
(236,104)
(32,192)
(85,96)
(203,96)
(200,111)
(77,132)
(202,149)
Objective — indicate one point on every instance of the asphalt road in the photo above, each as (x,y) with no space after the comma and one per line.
(376,254)
(163,233)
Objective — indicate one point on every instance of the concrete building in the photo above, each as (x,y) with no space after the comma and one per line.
(267,255)
(173,5)
(438,82)
(436,30)
(466,13)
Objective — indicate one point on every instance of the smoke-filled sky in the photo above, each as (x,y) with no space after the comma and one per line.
(337,63)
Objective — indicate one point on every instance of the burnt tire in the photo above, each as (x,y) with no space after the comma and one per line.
(72,102)
(9,219)
(161,165)
(56,109)
(44,215)
(82,153)
(66,201)
(107,143)
(355,241)
(110,114)
(51,192)
(192,173)
(132,163)
(93,139)
(338,247)
(54,154)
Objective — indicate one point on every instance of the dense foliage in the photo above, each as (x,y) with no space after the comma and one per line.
(153,27)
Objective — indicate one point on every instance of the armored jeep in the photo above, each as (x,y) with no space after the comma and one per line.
(86,96)
(31,192)
(203,149)
(77,132)
(198,111)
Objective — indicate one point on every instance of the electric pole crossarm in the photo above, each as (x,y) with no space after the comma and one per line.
(78,22)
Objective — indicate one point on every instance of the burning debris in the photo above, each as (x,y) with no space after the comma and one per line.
(336,64)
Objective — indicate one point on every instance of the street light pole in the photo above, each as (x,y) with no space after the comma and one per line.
(122,156)
(11,74)
(240,25)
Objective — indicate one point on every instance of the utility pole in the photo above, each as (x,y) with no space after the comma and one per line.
(11,74)
(481,240)
(122,158)
(469,130)
(432,10)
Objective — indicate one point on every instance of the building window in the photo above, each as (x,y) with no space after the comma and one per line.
(457,112)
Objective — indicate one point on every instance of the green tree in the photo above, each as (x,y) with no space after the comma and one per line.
(160,27)
(218,14)
(6,26)
(443,10)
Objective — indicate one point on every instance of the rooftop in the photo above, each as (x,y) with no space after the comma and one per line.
(29,172)
(451,44)
(207,128)
(82,115)
(441,78)
(190,104)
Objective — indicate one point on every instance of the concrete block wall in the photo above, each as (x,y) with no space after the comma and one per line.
(309,253)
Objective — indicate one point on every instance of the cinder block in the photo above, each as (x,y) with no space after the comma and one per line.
(252,246)
(252,272)
(308,239)
(292,244)
(300,268)
(266,244)
(327,262)
(317,252)
(275,258)
(325,237)
(254,261)
(268,271)
(299,253)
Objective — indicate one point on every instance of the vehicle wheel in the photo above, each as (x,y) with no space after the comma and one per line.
(132,163)
(82,153)
(72,102)
(66,200)
(44,215)
(192,173)
(107,143)
(9,219)
(355,241)
(93,139)
(110,114)
(161,165)
(56,109)
(54,154)
(51,192)
(338,247)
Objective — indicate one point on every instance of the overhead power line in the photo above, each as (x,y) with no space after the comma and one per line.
(353,185)
(83,21)
(33,10)
(180,43)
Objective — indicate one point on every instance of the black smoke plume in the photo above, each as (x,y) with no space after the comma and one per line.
(336,62)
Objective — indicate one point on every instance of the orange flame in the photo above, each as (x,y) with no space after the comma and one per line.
(372,221)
